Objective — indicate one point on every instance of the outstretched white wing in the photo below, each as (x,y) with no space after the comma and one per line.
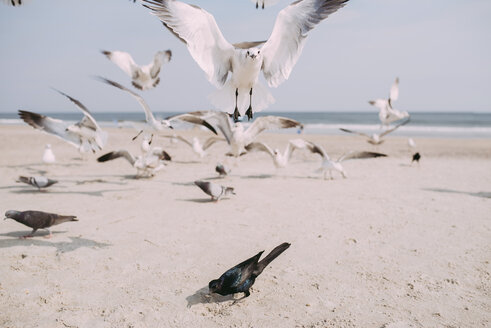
(124,61)
(268,122)
(199,31)
(394,90)
(159,59)
(284,46)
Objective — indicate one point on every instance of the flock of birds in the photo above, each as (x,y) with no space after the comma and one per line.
(234,69)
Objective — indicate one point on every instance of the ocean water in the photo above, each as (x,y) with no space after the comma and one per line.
(456,125)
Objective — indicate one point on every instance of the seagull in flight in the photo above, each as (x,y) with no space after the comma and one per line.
(86,135)
(143,77)
(388,114)
(376,138)
(327,164)
(152,124)
(280,160)
(195,144)
(237,136)
(146,165)
(217,57)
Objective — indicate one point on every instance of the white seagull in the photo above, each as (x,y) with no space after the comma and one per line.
(376,138)
(280,160)
(48,156)
(152,124)
(195,144)
(86,135)
(217,57)
(143,77)
(388,114)
(146,165)
(327,164)
(216,191)
(238,137)
(38,182)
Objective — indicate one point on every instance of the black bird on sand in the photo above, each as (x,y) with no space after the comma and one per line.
(38,220)
(416,157)
(242,276)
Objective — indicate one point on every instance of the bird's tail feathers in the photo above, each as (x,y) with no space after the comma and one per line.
(65,218)
(224,98)
(270,257)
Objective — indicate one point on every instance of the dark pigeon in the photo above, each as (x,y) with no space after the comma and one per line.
(222,170)
(38,220)
(241,277)
(416,158)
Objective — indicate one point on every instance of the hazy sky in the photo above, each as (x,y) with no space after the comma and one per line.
(440,49)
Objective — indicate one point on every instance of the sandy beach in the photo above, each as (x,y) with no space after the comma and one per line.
(391,246)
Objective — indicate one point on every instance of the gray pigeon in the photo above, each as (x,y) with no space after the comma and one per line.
(222,170)
(38,182)
(38,220)
(214,190)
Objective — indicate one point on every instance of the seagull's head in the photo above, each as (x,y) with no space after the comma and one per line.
(166,123)
(252,53)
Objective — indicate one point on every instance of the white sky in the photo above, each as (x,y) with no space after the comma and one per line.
(440,49)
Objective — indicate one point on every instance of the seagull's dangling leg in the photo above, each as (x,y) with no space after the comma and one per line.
(257,4)
(236,114)
(137,135)
(263,4)
(249,110)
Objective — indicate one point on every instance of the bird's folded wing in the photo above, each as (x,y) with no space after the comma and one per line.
(284,46)
(198,29)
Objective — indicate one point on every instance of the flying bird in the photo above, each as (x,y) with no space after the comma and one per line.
(280,160)
(153,125)
(195,144)
(265,3)
(38,182)
(146,165)
(214,190)
(217,57)
(235,133)
(143,77)
(38,220)
(327,164)
(86,135)
(48,156)
(376,138)
(387,113)
(241,277)
(222,170)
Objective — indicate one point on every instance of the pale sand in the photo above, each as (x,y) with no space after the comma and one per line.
(390,246)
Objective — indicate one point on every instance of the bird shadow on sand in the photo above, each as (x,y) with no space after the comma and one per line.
(186,184)
(200,200)
(39,240)
(202,296)
(257,176)
(481,194)
(97,193)
(29,165)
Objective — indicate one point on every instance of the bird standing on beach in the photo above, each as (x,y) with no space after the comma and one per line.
(387,113)
(241,277)
(416,158)
(48,155)
(143,77)
(38,220)
(214,190)
(217,57)
(376,138)
(38,182)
